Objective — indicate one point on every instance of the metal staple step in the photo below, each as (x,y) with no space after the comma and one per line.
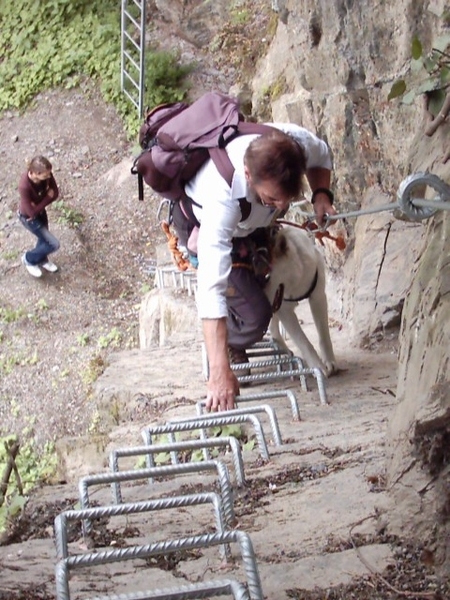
(252,410)
(186,280)
(209,589)
(289,394)
(149,451)
(300,371)
(88,514)
(212,465)
(212,421)
(89,559)
(268,348)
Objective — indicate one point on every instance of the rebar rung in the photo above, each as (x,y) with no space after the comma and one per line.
(89,559)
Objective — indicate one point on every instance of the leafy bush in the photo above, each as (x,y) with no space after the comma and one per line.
(165,79)
(58,42)
(30,469)
(67,215)
(63,43)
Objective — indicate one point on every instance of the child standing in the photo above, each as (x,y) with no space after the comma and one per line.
(37,189)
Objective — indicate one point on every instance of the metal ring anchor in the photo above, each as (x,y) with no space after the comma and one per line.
(418,209)
(413,208)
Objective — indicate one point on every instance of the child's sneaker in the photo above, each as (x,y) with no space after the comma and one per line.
(32,269)
(50,266)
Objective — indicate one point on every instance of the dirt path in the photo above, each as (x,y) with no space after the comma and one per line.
(56,332)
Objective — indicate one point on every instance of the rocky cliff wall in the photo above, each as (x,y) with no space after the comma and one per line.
(343,59)
(419,431)
(336,62)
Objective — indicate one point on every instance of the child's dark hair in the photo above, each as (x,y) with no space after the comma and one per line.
(39,164)
(279,157)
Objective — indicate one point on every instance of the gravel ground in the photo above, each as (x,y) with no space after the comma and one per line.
(57,332)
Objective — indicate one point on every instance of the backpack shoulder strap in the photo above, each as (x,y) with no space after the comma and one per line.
(246,208)
(220,157)
(247,128)
(186,204)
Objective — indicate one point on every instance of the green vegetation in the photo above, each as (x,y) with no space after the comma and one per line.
(68,42)
(10,255)
(94,369)
(22,469)
(47,44)
(268,95)
(10,315)
(112,339)
(42,304)
(10,360)
(13,355)
(239,15)
(165,78)
(277,89)
(145,288)
(83,339)
(429,74)
(67,215)
(164,458)
(95,423)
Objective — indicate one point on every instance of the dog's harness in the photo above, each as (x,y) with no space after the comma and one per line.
(279,294)
(311,227)
(311,288)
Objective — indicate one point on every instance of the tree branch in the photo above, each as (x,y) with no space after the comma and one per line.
(11,450)
(440,118)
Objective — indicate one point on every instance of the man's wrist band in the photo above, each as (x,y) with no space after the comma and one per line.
(325,191)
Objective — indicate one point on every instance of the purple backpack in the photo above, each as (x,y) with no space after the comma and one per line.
(178,138)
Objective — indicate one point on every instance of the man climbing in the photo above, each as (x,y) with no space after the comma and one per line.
(269,172)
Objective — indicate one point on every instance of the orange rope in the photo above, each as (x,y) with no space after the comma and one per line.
(172,241)
(312,227)
(242,266)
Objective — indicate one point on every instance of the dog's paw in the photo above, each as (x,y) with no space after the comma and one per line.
(331,369)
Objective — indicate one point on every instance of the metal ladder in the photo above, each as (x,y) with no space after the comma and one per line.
(133,16)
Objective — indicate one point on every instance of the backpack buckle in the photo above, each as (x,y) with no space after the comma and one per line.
(165,203)
(228,133)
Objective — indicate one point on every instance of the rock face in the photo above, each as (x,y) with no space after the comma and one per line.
(343,59)
(162,315)
(419,432)
(330,67)
(194,19)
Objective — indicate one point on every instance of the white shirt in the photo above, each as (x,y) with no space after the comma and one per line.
(220,214)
